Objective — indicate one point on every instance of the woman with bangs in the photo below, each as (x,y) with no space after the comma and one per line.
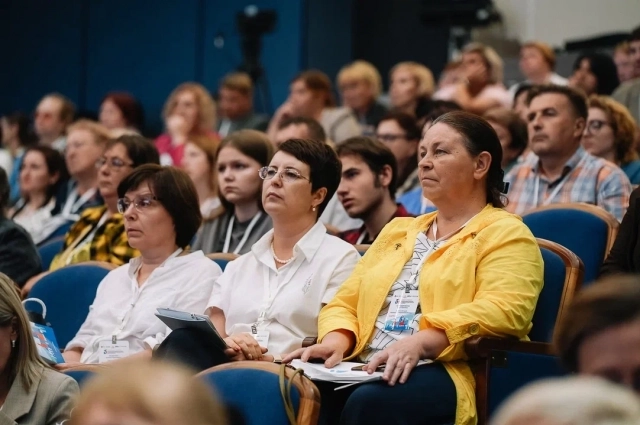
(242,220)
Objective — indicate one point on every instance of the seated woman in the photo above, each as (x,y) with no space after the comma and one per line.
(189,111)
(242,221)
(269,299)
(468,269)
(161,215)
(594,73)
(30,391)
(199,162)
(99,234)
(610,133)
(410,90)
(599,335)
(42,173)
(19,258)
(624,256)
(512,132)
(121,113)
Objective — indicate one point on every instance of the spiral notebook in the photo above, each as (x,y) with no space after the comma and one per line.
(175,319)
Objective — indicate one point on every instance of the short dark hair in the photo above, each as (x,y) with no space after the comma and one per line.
(604,69)
(55,164)
(5,190)
(315,130)
(252,143)
(522,88)
(374,153)
(635,35)
(513,123)
(317,81)
(176,193)
(478,137)
(406,122)
(605,304)
(26,136)
(324,165)
(441,107)
(140,149)
(577,98)
(129,106)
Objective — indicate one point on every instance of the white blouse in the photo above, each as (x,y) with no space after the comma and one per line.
(290,297)
(126,310)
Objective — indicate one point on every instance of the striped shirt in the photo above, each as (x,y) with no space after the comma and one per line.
(585,178)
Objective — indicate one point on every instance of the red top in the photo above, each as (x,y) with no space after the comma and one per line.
(170,154)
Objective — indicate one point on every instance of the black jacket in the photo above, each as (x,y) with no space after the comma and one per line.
(19,258)
(625,253)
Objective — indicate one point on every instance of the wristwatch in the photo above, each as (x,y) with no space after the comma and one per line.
(277,358)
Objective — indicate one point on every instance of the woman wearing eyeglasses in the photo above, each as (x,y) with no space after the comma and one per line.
(610,133)
(268,300)
(161,215)
(242,220)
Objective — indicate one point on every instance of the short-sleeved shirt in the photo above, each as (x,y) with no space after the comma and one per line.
(292,296)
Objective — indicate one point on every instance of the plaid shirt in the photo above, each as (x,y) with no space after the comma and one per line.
(353,235)
(109,242)
(585,178)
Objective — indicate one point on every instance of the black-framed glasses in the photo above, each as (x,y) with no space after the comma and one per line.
(140,203)
(286,174)
(390,138)
(594,126)
(115,163)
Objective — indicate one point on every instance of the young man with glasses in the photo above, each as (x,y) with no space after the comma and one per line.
(559,170)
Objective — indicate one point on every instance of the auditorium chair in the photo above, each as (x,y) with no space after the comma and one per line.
(49,250)
(253,389)
(501,366)
(222,258)
(587,230)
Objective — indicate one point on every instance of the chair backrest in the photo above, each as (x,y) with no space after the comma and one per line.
(80,376)
(68,293)
(563,272)
(222,258)
(49,250)
(253,389)
(587,230)
(61,231)
(362,248)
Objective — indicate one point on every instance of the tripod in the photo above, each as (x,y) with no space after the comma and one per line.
(251,45)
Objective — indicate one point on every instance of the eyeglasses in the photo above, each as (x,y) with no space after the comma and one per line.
(287,174)
(115,163)
(390,138)
(595,126)
(140,203)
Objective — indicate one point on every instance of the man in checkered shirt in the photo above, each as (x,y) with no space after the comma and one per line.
(558,170)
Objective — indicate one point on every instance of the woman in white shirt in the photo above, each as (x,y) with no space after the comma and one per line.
(199,162)
(161,212)
(268,300)
(41,173)
(242,220)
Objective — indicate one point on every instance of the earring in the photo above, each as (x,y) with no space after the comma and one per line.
(13,343)
(313,209)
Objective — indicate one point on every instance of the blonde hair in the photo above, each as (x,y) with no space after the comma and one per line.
(238,81)
(491,59)
(24,360)
(156,392)
(361,71)
(422,75)
(209,146)
(206,106)
(545,50)
(580,400)
(622,124)
(101,135)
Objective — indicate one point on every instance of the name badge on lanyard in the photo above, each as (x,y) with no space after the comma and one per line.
(261,336)
(402,310)
(227,239)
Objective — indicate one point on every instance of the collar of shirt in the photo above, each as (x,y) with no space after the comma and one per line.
(568,166)
(168,264)
(307,246)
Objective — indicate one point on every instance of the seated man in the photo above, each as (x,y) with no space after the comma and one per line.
(628,93)
(236,105)
(367,187)
(334,217)
(559,170)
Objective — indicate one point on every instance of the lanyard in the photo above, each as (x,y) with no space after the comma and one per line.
(227,239)
(127,315)
(73,203)
(555,192)
(361,238)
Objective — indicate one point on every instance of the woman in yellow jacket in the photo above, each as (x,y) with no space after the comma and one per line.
(429,283)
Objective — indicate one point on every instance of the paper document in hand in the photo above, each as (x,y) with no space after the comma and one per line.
(341,373)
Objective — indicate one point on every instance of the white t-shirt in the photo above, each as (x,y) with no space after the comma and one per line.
(292,296)
(126,310)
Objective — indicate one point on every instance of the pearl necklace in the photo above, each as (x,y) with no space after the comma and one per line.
(275,257)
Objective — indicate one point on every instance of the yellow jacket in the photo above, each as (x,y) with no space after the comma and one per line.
(484,281)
